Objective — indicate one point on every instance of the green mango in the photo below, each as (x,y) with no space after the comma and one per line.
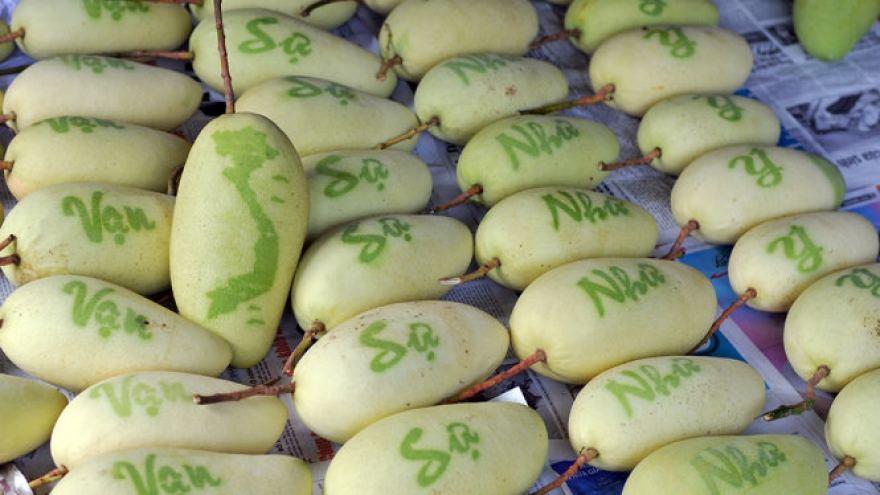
(828,29)
(28,411)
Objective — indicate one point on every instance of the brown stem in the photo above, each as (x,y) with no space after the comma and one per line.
(460,199)
(174,180)
(307,340)
(224,59)
(642,160)
(6,242)
(50,477)
(410,134)
(256,391)
(182,55)
(750,293)
(675,251)
(604,94)
(387,65)
(307,11)
(538,356)
(12,35)
(11,259)
(786,410)
(6,165)
(561,35)
(8,117)
(846,463)
(479,273)
(583,458)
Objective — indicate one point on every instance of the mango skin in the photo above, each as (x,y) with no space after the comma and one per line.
(648,64)
(833,322)
(240,222)
(594,314)
(424,34)
(674,398)
(598,20)
(685,127)
(156,409)
(348,185)
(211,473)
(469,92)
(28,411)
(780,258)
(7,48)
(377,261)
(60,27)
(93,330)
(102,88)
(732,189)
(116,233)
(319,115)
(489,447)
(264,44)
(327,17)
(526,151)
(828,30)
(851,430)
(361,372)
(778,463)
(533,231)
(94,151)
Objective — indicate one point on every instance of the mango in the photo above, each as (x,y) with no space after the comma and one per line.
(156,409)
(489,447)
(139,470)
(115,233)
(327,17)
(381,7)
(240,222)
(102,88)
(263,44)
(635,408)
(377,261)
(851,429)
(732,189)
(522,152)
(687,126)
(74,331)
(392,358)
(829,30)
(62,27)
(348,185)
(782,257)
(320,115)
(763,464)
(593,314)
(598,20)
(93,150)
(469,92)
(535,230)
(28,411)
(424,34)
(8,47)
(830,324)
(651,63)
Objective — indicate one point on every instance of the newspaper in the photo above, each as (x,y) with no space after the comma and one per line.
(829,109)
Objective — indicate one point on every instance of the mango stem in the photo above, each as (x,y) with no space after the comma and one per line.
(750,293)
(6,165)
(387,65)
(458,200)
(845,464)
(583,458)
(642,160)
(552,38)
(50,477)
(179,55)
(604,94)
(478,273)
(538,356)
(307,11)
(675,251)
(786,410)
(307,340)
(255,391)
(410,134)
(12,35)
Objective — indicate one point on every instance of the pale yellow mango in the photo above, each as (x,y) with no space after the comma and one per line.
(103,88)
(633,409)
(82,149)
(469,92)
(320,115)
(393,358)
(240,221)
(28,411)
(382,7)
(64,27)
(156,409)
(522,152)
(377,261)
(782,257)
(833,323)
(134,471)
(598,20)
(764,464)
(648,64)
(347,185)
(851,427)
(424,34)
(262,44)
(686,126)
(73,331)
(535,230)
(457,449)
(115,233)
(594,314)
(327,17)
(732,189)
